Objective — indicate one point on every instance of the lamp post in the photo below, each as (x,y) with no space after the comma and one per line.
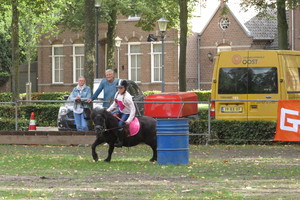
(162,24)
(118,41)
(97,6)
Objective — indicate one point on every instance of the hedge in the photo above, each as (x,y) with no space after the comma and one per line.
(224,132)
(234,132)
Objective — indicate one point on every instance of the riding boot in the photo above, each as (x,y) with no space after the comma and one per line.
(119,142)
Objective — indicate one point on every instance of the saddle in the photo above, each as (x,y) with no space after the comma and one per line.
(133,127)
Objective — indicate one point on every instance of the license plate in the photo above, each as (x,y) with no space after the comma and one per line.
(237,109)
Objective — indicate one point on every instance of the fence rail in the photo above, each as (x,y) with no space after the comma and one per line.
(207,133)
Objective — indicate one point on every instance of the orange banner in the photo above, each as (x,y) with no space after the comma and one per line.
(288,121)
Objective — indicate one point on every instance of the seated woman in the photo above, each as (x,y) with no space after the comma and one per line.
(124,101)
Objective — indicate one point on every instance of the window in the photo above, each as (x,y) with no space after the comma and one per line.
(57,64)
(134,59)
(254,80)
(156,75)
(78,61)
(224,23)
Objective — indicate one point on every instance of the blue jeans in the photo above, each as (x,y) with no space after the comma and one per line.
(123,118)
(81,124)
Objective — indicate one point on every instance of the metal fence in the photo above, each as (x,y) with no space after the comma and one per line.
(206,134)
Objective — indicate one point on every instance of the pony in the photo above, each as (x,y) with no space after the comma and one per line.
(106,128)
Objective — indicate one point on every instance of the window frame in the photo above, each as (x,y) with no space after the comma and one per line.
(137,55)
(153,63)
(61,69)
(74,62)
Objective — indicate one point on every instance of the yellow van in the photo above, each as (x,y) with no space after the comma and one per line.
(247,85)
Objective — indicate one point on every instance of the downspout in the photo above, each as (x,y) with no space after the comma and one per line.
(293,43)
(198,60)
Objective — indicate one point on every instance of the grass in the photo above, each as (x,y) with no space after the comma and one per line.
(214,172)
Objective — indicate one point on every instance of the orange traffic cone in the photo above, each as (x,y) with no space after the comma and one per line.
(32,126)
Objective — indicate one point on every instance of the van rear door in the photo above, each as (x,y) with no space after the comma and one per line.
(230,87)
(262,85)
(244,80)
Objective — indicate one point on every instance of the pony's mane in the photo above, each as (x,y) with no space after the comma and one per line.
(109,116)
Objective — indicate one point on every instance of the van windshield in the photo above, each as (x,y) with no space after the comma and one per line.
(252,80)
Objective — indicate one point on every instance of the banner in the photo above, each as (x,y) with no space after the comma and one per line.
(288,121)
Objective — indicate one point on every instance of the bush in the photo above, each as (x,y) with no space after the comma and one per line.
(45,96)
(45,113)
(151,92)
(203,95)
(4,77)
(235,132)
(5,97)
(9,124)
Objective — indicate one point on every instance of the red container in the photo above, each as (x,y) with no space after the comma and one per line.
(171,109)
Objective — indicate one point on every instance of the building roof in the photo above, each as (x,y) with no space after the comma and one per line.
(259,27)
(263,27)
(238,19)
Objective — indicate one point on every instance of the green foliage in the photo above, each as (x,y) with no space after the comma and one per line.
(10,124)
(5,97)
(235,132)
(4,77)
(7,111)
(203,95)
(45,115)
(151,92)
(5,61)
(47,96)
(203,112)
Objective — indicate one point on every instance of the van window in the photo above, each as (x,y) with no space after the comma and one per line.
(254,80)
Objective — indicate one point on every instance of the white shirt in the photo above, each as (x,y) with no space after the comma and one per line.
(125,104)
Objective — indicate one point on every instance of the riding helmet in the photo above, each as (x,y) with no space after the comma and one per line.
(122,83)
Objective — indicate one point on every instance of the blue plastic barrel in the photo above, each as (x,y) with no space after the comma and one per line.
(172,141)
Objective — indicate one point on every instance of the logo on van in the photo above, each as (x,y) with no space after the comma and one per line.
(236,59)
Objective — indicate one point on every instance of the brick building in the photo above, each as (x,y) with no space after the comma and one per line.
(140,60)
(60,59)
(225,32)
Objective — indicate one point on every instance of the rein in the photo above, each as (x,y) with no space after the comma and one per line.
(109,129)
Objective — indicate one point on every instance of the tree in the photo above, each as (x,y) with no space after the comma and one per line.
(35,18)
(281,6)
(89,33)
(15,50)
(183,43)
(282,25)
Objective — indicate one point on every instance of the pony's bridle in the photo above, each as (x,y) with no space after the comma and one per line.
(104,128)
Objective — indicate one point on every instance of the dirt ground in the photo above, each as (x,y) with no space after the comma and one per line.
(118,185)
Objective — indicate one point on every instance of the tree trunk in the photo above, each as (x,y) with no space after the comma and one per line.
(89,43)
(183,43)
(282,25)
(15,51)
(111,37)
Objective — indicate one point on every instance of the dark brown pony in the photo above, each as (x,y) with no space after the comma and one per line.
(106,128)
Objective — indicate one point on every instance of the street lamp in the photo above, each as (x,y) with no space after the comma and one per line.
(97,6)
(162,24)
(118,41)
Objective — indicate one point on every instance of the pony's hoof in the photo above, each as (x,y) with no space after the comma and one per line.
(153,160)
(106,160)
